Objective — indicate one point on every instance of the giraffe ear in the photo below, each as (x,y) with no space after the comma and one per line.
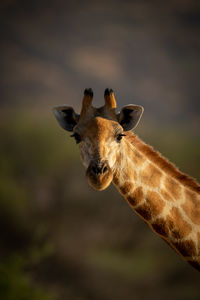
(129,116)
(66,117)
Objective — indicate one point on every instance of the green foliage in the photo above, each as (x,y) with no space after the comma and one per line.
(15,282)
(23,157)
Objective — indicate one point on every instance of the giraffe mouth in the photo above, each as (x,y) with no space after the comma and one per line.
(99,175)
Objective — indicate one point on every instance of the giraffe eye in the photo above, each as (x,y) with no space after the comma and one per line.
(77,137)
(120,136)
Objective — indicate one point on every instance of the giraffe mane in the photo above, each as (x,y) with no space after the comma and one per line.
(162,162)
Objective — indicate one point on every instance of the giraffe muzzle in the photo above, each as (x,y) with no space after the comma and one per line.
(99,174)
(99,168)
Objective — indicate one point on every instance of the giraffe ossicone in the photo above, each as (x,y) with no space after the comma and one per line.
(166,199)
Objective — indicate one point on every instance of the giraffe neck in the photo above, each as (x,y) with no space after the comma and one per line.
(166,199)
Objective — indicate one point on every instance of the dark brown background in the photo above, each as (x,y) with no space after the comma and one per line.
(58,238)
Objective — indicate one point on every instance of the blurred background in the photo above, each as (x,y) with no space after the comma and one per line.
(58,238)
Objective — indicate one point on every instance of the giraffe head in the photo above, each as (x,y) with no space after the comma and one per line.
(99,133)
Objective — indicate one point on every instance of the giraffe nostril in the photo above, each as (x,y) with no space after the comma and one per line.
(96,169)
(99,168)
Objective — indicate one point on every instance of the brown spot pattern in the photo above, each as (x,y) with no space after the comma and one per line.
(126,187)
(155,202)
(130,175)
(186,248)
(178,227)
(192,206)
(116,177)
(166,196)
(136,196)
(173,187)
(151,176)
(173,225)
(160,227)
(152,207)
(144,211)
(162,162)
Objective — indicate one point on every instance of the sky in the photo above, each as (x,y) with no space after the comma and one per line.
(148,52)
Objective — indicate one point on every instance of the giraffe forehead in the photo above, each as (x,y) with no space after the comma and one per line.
(99,129)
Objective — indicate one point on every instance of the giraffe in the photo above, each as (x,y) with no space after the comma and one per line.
(167,200)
